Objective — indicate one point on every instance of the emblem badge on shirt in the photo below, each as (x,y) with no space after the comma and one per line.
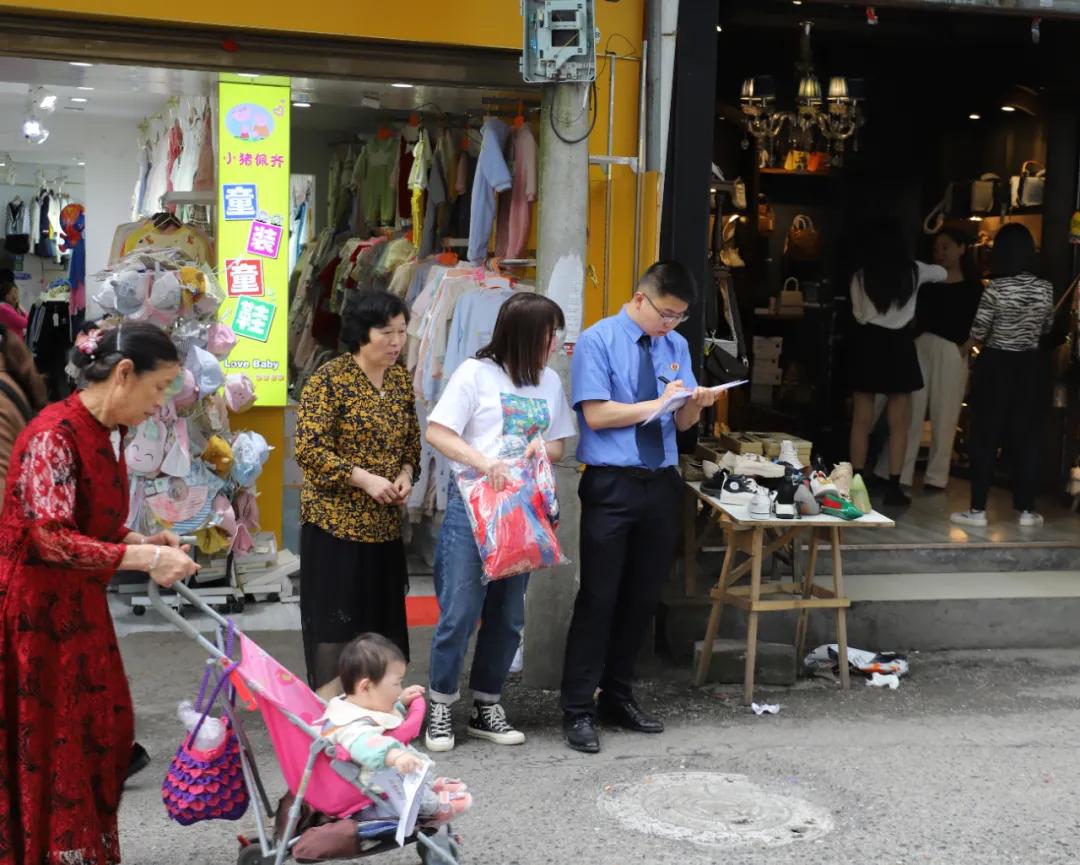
(674,367)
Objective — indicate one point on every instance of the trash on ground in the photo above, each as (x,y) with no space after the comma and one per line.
(859,660)
(879,681)
(765,708)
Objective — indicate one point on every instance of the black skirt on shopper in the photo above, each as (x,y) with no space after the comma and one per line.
(348,588)
(882,360)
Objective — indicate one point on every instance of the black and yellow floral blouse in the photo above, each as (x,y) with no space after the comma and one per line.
(344,421)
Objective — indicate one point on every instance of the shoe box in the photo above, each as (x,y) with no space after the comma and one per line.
(770,444)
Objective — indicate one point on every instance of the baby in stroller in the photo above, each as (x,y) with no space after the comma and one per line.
(375,703)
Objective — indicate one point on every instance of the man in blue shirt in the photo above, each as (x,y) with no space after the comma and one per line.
(624,368)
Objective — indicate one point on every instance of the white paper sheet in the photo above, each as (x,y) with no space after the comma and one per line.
(677,401)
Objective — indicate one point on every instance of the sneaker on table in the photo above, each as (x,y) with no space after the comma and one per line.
(841,478)
(738,491)
(488,721)
(785,498)
(838,506)
(788,455)
(1030,519)
(440,728)
(860,497)
(970,518)
(761,505)
(804,499)
(751,465)
(821,485)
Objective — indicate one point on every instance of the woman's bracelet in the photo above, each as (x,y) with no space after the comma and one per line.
(157,558)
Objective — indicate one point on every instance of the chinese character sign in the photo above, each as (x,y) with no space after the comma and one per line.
(244,277)
(253,178)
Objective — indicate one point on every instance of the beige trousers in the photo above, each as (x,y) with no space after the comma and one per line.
(945,374)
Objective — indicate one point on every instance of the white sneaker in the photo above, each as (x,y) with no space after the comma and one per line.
(822,486)
(788,455)
(489,722)
(761,505)
(970,518)
(440,728)
(1030,520)
(518,664)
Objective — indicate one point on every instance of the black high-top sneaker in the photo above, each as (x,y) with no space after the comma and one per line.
(785,498)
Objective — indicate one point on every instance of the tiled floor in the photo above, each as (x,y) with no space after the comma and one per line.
(926,522)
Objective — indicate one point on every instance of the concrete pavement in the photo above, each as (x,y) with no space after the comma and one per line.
(972,760)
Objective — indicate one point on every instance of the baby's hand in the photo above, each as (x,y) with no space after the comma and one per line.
(407,763)
(411,693)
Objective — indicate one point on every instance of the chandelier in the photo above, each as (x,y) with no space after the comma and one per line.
(837,117)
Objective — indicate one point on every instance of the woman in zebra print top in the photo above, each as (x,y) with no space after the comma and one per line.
(1010,390)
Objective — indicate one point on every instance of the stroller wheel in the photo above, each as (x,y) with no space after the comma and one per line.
(447,850)
(252,855)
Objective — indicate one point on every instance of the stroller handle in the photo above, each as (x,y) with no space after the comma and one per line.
(154,593)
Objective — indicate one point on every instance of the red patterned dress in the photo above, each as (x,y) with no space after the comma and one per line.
(66,722)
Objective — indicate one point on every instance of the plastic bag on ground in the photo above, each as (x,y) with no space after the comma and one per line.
(860,660)
(514,527)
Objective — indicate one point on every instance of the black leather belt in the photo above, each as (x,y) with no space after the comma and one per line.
(638,473)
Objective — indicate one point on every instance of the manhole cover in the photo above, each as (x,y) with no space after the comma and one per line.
(713,810)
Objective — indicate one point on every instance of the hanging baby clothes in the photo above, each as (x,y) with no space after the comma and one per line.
(183,172)
(17,225)
(437,197)
(73,223)
(176,147)
(204,172)
(492,176)
(515,207)
(418,181)
(157,181)
(332,185)
(376,173)
(401,181)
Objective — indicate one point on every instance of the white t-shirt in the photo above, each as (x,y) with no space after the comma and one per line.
(484,406)
(895,317)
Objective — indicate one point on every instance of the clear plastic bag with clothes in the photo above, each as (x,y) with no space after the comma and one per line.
(515,527)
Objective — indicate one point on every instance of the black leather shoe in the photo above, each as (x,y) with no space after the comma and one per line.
(627,714)
(139,759)
(581,735)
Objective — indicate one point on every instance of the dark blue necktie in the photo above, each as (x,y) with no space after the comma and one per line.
(650,437)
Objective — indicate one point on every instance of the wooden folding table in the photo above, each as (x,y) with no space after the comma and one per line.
(761,539)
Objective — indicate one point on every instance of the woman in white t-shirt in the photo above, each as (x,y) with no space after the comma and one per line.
(501,404)
(882,358)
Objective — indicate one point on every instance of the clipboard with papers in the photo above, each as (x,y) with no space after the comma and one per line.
(676,401)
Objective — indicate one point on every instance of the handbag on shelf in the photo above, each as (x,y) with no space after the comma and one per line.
(803,240)
(818,162)
(791,296)
(766,216)
(796,160)
(987,194)
(729,250)
(1027,188)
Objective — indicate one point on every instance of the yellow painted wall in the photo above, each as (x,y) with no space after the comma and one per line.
(480,23)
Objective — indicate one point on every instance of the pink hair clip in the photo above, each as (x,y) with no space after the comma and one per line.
(88,342)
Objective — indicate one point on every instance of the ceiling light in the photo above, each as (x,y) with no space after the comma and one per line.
(80,163)
(248,74)
(301,105)
(719,29)
(796,2)
(1009,109)
(402,85)
(85,88)
(79,99)
(48,101)
(80,64)
(33,131)
(974,117)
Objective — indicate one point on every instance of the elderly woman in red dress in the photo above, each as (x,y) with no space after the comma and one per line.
(66,720)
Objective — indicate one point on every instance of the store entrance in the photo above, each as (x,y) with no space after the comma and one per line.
(379,185)
(834,123)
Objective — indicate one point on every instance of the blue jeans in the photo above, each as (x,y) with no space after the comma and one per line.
(464,600)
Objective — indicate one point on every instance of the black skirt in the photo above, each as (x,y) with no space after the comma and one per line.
(348,588)
(882,360)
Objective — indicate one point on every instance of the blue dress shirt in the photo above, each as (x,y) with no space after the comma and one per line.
(605,367)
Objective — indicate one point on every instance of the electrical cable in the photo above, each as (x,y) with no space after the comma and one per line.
(592,124)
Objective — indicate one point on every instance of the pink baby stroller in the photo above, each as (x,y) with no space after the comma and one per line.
(318,775)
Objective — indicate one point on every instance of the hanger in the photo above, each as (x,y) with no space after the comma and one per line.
(385,133)
(414,120)
(519,120)
(165,221)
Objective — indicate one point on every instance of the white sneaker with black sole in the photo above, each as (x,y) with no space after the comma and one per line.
(440,728)
(973,518)
(488,721)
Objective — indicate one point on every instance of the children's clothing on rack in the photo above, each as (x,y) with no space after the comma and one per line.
(492,176)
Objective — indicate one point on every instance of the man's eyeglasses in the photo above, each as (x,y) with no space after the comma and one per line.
(667,317)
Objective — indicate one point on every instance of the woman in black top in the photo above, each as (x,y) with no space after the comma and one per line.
(943,317)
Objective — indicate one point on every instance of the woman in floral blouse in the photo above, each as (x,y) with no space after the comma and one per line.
(358,443)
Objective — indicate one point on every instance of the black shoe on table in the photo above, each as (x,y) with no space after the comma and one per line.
(626,713)
(580,733)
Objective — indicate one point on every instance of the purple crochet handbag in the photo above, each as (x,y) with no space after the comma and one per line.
(207,785)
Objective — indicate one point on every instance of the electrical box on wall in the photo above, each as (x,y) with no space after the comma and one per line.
(560,41)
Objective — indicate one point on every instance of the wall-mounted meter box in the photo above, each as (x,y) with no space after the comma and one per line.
(560,41)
